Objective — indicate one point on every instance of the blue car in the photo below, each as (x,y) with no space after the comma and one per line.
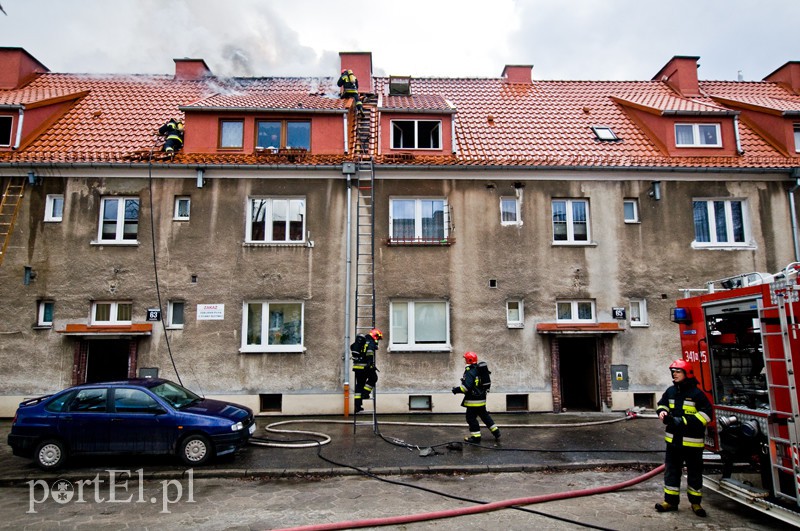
(138,416)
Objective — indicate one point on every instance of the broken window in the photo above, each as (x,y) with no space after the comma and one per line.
(5,130)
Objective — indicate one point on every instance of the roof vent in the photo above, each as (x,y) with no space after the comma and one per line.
(517,74)
(191,69)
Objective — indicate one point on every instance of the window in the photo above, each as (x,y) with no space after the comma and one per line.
(575,312)
(630,210)
(272,326)
(416,134)
(797,138)
(639,312)
(44,314)
(5,130)
(231,133)
(283,134)
(603,132)
(111,313)
(93,400)
(418,220)
(720,222)
(175,314)
(119,219)
(134,401)
(420,325)
(570,220)
(182,208)
(697,135)
(514,315)
(274,220)
(399,86)
(509,211)
(54,207)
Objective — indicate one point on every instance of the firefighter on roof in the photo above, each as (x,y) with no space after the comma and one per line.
(349,84)
(363,352)
(685,410)
(474,390)
(173,131)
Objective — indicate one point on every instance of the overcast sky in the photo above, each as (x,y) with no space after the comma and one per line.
(562,39)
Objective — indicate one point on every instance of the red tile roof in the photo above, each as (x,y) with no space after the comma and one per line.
(113,118)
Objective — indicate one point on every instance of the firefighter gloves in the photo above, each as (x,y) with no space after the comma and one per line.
(456,390)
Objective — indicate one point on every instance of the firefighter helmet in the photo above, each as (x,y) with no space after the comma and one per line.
(376,334)
(684,366)
(470,357)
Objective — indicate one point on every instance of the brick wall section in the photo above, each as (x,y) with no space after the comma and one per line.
(555,374)
(604,366)
(133,354)
(79,363)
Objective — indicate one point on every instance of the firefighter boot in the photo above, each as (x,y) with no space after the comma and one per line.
(698,510)
(358,405)
(472,438)
(496,432)
(665,507)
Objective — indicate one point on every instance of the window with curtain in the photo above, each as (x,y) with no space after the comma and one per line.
(697,135)
(418,220)
(720,222)
(575,311)
(570,220)
(509,211)
(272,326)
(276,220)
(231,134)
(420,325)
(119,220)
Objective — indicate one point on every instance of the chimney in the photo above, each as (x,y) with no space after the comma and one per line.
(18,68)
(680,73)
(517,74)
(361,65)
(787,75)
(191,69)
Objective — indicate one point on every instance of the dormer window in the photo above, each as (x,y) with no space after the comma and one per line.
(231,134)
(5,131)
(603,132)
(697,135)
(416,134)
(283,134)
(797,138)
(399,86)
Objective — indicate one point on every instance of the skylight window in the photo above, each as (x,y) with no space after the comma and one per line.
(603,132)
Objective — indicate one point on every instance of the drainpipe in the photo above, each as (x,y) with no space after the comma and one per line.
(348,169)
(346,140)
(793,210)
(19,128)
(739,149)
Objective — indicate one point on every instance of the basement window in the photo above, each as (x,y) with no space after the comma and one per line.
(5,130)
(603,132)
(271,403)
(419,403)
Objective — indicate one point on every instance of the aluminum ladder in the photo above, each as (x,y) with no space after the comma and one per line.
(9,208)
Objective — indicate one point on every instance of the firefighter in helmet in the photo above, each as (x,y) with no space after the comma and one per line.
(685,410)
(173,131)
(474,400)
(349,84)
(363,353)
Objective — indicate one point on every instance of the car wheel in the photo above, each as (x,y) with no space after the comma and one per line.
(50,454)
(195,450)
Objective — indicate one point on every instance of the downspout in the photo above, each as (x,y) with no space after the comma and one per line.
(739,149)
(793,210)
(346,137)
(19,128)
(348,261)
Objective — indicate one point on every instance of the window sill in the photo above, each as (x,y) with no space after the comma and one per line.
(640,325)
(574,244)
(285,349)
(52,221)
(276,244)
(173,327)
(43,327)
(723,247)
(421,242)
(632,222)
(510,223)
(180,219)
(412,349)
(128,243)
(516,325)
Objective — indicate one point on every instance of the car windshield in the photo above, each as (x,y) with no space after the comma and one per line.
(177,396)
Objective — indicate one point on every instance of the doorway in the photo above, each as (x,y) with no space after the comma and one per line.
(107,359)
(579,375)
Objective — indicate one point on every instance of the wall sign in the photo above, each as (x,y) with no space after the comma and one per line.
(153,314)
(618,313)
(210,312)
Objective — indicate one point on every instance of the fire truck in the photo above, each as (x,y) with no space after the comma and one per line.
(742,336)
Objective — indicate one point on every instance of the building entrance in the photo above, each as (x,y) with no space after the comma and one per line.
(578,368)
(107,359)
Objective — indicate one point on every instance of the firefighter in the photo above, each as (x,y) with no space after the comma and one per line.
(474,400)
(349,84)
(363,352)
(685,410)
(173,131)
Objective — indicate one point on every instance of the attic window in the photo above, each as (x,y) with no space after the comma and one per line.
(697,135)
(5,131)
(603,132)
(399,86)
(797,138)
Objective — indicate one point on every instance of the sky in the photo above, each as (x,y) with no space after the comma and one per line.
(562,39)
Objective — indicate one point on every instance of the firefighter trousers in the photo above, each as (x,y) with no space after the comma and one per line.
(475,412)
(365,383)
(676,456)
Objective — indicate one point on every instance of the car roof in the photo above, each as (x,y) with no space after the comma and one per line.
(141,382)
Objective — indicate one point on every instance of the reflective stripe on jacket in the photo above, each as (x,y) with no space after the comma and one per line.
(691,405)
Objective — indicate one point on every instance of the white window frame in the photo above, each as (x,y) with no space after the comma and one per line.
(54,208)
(797,138)
(416,142)
(41,312)
(407,327)
(418,237)
(10,130)
(177,214)
(509,200)
(574,311)
(570,222)
(171,315)
(512,320)
(710,213)
(114,312)
(641,309)
(268,215)
(697,138)
(604,132)
(230,138)
(119,236)
(263,345)
(635,204)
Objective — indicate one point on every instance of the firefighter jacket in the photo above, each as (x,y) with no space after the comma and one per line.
(349,82)
(474,394)
(688,411)
(363,352)
(173,131)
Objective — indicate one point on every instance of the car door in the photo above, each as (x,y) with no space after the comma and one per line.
(84,424)
(139,424)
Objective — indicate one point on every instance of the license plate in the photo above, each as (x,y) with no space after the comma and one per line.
(252,428)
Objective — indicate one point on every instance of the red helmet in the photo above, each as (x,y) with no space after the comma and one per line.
(376,334)
(470,357)
(684,366)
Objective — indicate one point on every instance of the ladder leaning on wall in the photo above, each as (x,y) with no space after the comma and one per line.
(9,208)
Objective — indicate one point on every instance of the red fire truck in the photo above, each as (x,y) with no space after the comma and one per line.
(742,335)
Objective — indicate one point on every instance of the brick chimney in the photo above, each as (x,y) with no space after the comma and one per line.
(361,65)
(517,74)
(788,75)
(191,69)
(680,73)
(18,68)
